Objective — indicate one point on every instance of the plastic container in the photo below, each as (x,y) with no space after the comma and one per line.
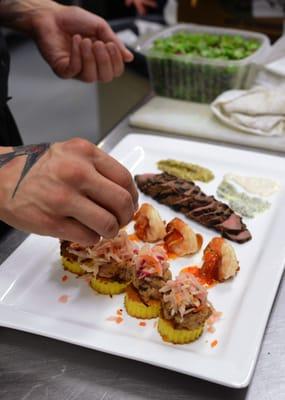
(195,78)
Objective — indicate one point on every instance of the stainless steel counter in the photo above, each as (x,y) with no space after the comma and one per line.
(37,368)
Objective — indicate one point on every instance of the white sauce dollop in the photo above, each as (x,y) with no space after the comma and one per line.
(264,187)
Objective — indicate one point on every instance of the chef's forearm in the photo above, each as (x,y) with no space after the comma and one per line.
(21,14)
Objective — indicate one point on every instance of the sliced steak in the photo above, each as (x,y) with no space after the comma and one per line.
(189,199)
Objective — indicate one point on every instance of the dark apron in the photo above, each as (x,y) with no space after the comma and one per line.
(9,134)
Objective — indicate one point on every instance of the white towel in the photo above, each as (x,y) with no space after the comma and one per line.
(260,111)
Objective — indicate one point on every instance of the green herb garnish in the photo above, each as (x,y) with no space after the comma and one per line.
(224,47)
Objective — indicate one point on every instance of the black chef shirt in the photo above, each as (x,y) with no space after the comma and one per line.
(9,135)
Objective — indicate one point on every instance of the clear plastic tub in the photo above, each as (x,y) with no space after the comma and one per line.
(195,78)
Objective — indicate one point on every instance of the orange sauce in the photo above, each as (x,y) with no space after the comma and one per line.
(211,329)
(133,237)
(120,312)
(204,279)
(171,255)
(143,324)
(214,343)
(116,319)
(212,259)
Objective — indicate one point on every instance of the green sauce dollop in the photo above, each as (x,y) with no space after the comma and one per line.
(187,171)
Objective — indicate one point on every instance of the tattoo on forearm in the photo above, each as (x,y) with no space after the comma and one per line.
(33,153)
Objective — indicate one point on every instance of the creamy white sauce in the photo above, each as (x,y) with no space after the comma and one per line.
(264,187)
(242,203)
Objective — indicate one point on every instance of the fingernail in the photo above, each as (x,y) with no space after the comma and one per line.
(129,55)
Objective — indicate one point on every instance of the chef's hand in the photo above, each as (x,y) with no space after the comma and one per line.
(141,5)
(79,44)
(74,191)
(74,42)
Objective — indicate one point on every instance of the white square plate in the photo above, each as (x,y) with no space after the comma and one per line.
(31,282)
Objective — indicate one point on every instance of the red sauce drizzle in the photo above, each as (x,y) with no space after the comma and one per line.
(208,273)
(64,278)
(142,323)
(212,258)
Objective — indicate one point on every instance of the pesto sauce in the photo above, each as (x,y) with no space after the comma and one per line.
(240,202)
(187,171)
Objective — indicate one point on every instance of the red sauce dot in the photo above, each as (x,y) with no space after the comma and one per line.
(64,278)
(142,323)
(63,299)
(214,343)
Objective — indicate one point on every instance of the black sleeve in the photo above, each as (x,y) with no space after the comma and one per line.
(9,134)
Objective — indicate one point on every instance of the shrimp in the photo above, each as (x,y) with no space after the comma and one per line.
(181,239)
(220,261)
(149,226)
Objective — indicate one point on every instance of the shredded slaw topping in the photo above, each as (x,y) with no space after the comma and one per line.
(184,294)
(151,261)
(120,250)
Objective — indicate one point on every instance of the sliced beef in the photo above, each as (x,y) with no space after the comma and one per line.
(189,199)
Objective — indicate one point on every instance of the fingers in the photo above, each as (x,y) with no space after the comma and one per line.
(34,219)
(76,192)
(89,68)
(95,61)
(106,34)
(150,3)
(97,177)
(116,59)
(141,5)
(75,65)
(94,217)
(74,231)
(114,171)
(103,61)
(103,191)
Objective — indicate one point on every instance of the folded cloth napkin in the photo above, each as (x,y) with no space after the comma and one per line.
(260,110)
